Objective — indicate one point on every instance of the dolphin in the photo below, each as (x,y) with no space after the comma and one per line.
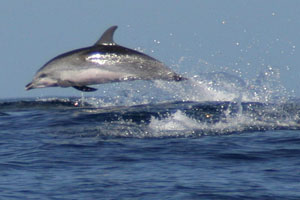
(104,62)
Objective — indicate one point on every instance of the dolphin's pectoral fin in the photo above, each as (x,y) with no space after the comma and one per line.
(85,88)
(178,78)
(107,37)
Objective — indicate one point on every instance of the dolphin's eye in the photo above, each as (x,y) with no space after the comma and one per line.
(42,75)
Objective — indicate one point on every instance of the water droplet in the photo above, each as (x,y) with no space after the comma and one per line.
(157,41)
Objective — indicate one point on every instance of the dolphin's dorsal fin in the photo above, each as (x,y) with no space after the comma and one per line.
(107,37)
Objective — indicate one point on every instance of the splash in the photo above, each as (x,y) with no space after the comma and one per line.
(267,87)
(222,86)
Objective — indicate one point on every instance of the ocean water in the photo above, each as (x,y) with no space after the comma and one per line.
(216,136)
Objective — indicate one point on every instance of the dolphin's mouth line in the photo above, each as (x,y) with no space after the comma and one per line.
(29,86)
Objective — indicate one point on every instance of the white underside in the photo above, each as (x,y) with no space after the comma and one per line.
(93,76)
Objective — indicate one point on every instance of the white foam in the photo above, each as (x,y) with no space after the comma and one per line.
(175,122)
(179,124)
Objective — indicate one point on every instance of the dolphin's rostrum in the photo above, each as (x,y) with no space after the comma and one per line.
(104,62)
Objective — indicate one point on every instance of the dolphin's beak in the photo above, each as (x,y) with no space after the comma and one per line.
(29,86)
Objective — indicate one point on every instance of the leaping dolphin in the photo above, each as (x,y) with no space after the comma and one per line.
(104,62)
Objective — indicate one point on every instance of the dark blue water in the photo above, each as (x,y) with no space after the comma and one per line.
(57,148)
